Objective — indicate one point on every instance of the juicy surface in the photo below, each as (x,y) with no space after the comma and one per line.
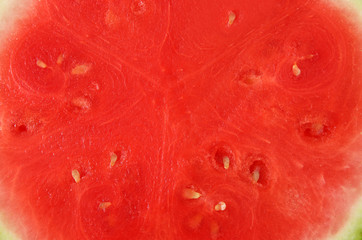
(180,120)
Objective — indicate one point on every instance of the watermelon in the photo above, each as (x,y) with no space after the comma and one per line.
(173,120)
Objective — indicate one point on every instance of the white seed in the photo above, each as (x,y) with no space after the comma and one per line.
(41,64)
(221,206)
(76,175)
(226,162)
(114,158)
(232,17)
(296,70)
(104,205)
(190,194)
(81,103)
(80,69)
(256,174)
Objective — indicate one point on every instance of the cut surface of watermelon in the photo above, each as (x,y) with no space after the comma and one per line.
(173,120)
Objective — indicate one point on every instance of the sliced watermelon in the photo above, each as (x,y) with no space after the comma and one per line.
(144,119)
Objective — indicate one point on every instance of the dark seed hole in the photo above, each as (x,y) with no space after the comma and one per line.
(22,129)
(315,130)
(224,157)
(19,129)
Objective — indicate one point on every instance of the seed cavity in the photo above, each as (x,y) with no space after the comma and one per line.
(296,70)
(259,172)
(114,158)
(317,130)
(189,193)
(25,126)
(41,64)
(222,156)
(80,69)
(221,206)
(19,129)
(76,175)
(232,17)
(104,205)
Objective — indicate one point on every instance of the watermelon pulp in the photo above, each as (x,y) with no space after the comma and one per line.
(180,120)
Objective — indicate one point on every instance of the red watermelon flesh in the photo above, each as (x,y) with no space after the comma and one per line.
(180,119)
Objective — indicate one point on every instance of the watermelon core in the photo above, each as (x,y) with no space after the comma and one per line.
(144,119)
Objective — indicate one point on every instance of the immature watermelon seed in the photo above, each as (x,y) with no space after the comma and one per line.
(214,230)
(104,205)
(81,103)
(41,64)
(114,158)
(296,70)
(223,157)
(80,69)
(226,161)
(76,175)
(60,59)
(189,193)
(117,156)
(232,17)
(259,172)
(256,174)
(249,77)
(195,221)
(221,206)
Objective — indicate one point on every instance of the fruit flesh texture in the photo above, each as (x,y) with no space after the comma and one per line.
(82,81)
